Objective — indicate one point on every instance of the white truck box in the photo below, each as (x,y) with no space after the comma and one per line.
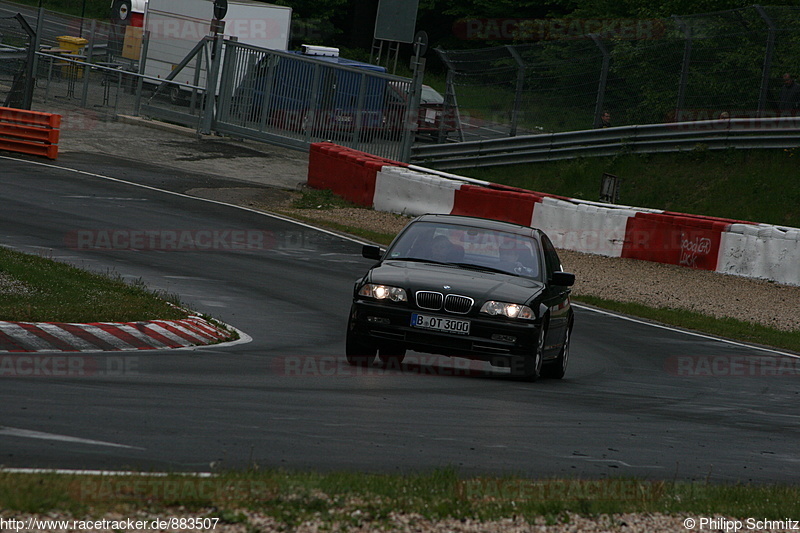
(176,26)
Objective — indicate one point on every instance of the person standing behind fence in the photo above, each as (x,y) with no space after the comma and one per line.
(605,120)
(790,95)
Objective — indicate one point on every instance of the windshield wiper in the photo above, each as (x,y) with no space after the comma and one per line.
(418,260)
(482,268)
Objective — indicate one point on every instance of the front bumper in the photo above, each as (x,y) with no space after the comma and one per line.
(490,339)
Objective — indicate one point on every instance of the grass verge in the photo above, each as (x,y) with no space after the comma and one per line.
(754,185)
(722,327)
(43,290)
(359,499)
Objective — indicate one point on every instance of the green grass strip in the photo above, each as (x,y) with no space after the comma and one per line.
(294,497)
(44,290)
(722,327)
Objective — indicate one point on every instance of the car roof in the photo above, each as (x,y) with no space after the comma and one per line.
(484,223)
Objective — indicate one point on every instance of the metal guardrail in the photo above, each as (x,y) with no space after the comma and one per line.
(742,133)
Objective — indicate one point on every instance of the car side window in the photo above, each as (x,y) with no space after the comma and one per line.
(552,261)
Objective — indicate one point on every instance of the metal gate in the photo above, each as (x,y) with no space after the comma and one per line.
(290,99)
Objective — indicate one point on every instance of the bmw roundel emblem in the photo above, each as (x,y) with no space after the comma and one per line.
(446,287)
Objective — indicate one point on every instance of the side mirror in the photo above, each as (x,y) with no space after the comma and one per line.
(371,252)
(563,279)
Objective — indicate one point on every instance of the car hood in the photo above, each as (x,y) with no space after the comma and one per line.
(473,283)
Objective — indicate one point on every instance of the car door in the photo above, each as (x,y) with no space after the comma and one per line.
(556,298)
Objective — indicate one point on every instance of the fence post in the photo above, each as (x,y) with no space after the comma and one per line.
(412,111)
(362,90)
(207,119)
(450,102)
(765,71)
(266,99)
(140,80)
(518,93)
(29,85)
(32,66)
(601,88)
(228,79)
(687,58)
(87,69)
(309,119)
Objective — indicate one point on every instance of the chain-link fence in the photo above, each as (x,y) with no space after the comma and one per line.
(62,63)
(87,70)
(16,40)
(640,72)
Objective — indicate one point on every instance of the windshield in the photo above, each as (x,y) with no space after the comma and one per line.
(430,96)
(467,247)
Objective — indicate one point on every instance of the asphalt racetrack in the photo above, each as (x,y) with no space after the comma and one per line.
(638,400)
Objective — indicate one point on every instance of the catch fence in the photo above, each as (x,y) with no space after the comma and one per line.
(640,71)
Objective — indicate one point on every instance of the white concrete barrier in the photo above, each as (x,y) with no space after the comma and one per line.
(750,250)
(583,227)
(404,191)
(761,251)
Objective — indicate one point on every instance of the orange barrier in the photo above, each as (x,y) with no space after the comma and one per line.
(29,132)
(347,172)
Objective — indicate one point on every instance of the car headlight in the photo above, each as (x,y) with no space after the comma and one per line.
(508,309)
(383,292)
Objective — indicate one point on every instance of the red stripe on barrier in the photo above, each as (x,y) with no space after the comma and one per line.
(708,218)
(500,187)
(509,206)
(124,336)
(209,329)
(57,343)
(81,333)
(146,329)
(676,240)
(199,332)
(8,344)
(177,332)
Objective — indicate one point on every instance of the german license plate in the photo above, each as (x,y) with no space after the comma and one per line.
(438,323)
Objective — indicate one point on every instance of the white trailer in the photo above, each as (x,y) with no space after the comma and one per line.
(176,26)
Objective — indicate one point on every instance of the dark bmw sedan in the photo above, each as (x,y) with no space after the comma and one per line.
(465,287)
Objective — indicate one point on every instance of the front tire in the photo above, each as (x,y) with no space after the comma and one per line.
(558,368)
(392,356)
(529,368)
(359,353)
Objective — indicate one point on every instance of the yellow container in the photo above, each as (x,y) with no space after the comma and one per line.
(75,46)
